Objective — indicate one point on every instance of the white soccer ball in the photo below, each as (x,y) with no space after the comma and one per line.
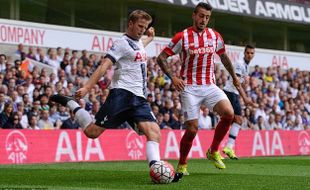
(162,172)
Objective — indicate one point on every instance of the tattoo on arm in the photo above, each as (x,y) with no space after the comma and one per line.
(227,64)
(162,62)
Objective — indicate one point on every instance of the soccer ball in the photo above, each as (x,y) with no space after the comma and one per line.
(162,172)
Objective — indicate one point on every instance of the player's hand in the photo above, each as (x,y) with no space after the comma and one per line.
(236,82)
(81,93)
(248,102)
(150,32)
(178,83)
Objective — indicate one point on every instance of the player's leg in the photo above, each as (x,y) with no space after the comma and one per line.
(82,116)
(190,108)
(219,102)
(234,130)
(152,132)
(143,121)
(233,133)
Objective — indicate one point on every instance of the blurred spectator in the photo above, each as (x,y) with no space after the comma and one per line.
(270,124)
(59,55)
(2,63)
(260,111)
(31,54)
(6,114)
(44,122)
(13,122)
(2,101)
(20,50)
(278,121)
(70,123)
(204,121)
(257,72)
(260,125)
(23,119)
(32,122)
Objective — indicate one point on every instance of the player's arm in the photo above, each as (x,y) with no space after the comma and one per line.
(229,67)
(162,62)
(99,72)
(149,38)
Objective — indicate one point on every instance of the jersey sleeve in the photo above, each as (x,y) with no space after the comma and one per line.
(117,51)
(175,45)
(220,45)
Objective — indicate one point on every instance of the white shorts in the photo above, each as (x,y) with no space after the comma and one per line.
(194,96)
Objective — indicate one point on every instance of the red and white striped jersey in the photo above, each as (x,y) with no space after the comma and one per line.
(197,52)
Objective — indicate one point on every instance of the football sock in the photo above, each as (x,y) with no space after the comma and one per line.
(81,115)
(152,151)
(220,132)
(73,105)
(185,147)
(233,133)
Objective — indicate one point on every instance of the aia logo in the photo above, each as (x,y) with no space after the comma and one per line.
(16,146)
(134,145)
(304,143)
(140,57)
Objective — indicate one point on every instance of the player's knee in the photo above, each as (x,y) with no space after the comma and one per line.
(91,133)
(192,127)
(228,113)
(152,133)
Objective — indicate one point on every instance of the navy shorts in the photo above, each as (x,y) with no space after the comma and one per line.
(235,102)
(121,106)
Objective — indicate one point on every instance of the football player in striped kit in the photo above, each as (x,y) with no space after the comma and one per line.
(197,46)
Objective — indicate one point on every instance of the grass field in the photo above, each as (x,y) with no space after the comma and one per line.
(251,174)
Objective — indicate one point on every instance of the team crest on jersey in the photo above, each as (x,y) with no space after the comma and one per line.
(112,47)
(210,42)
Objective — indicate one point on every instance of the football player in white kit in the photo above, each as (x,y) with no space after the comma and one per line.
(242,71)
(127,98)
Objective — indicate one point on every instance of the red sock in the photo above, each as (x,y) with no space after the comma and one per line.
(185,147)
(220,132)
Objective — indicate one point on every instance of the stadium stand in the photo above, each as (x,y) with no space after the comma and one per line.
(28,78)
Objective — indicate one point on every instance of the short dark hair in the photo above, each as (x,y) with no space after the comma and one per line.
(248,46)
(203,5)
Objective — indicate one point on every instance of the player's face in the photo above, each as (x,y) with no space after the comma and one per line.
(201,18)
(137,29)
(249,54)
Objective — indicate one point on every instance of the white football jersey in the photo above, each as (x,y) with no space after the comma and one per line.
(242,71)
(130,72)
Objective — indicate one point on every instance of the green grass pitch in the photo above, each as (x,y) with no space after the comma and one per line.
(265,173)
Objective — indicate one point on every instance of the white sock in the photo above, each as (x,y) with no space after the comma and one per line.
(233,133)
(83,118)
(72,105)
(152,151)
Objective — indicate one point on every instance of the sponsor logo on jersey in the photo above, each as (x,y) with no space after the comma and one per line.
(201,50)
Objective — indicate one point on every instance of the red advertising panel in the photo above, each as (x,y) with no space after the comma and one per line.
(40,146)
